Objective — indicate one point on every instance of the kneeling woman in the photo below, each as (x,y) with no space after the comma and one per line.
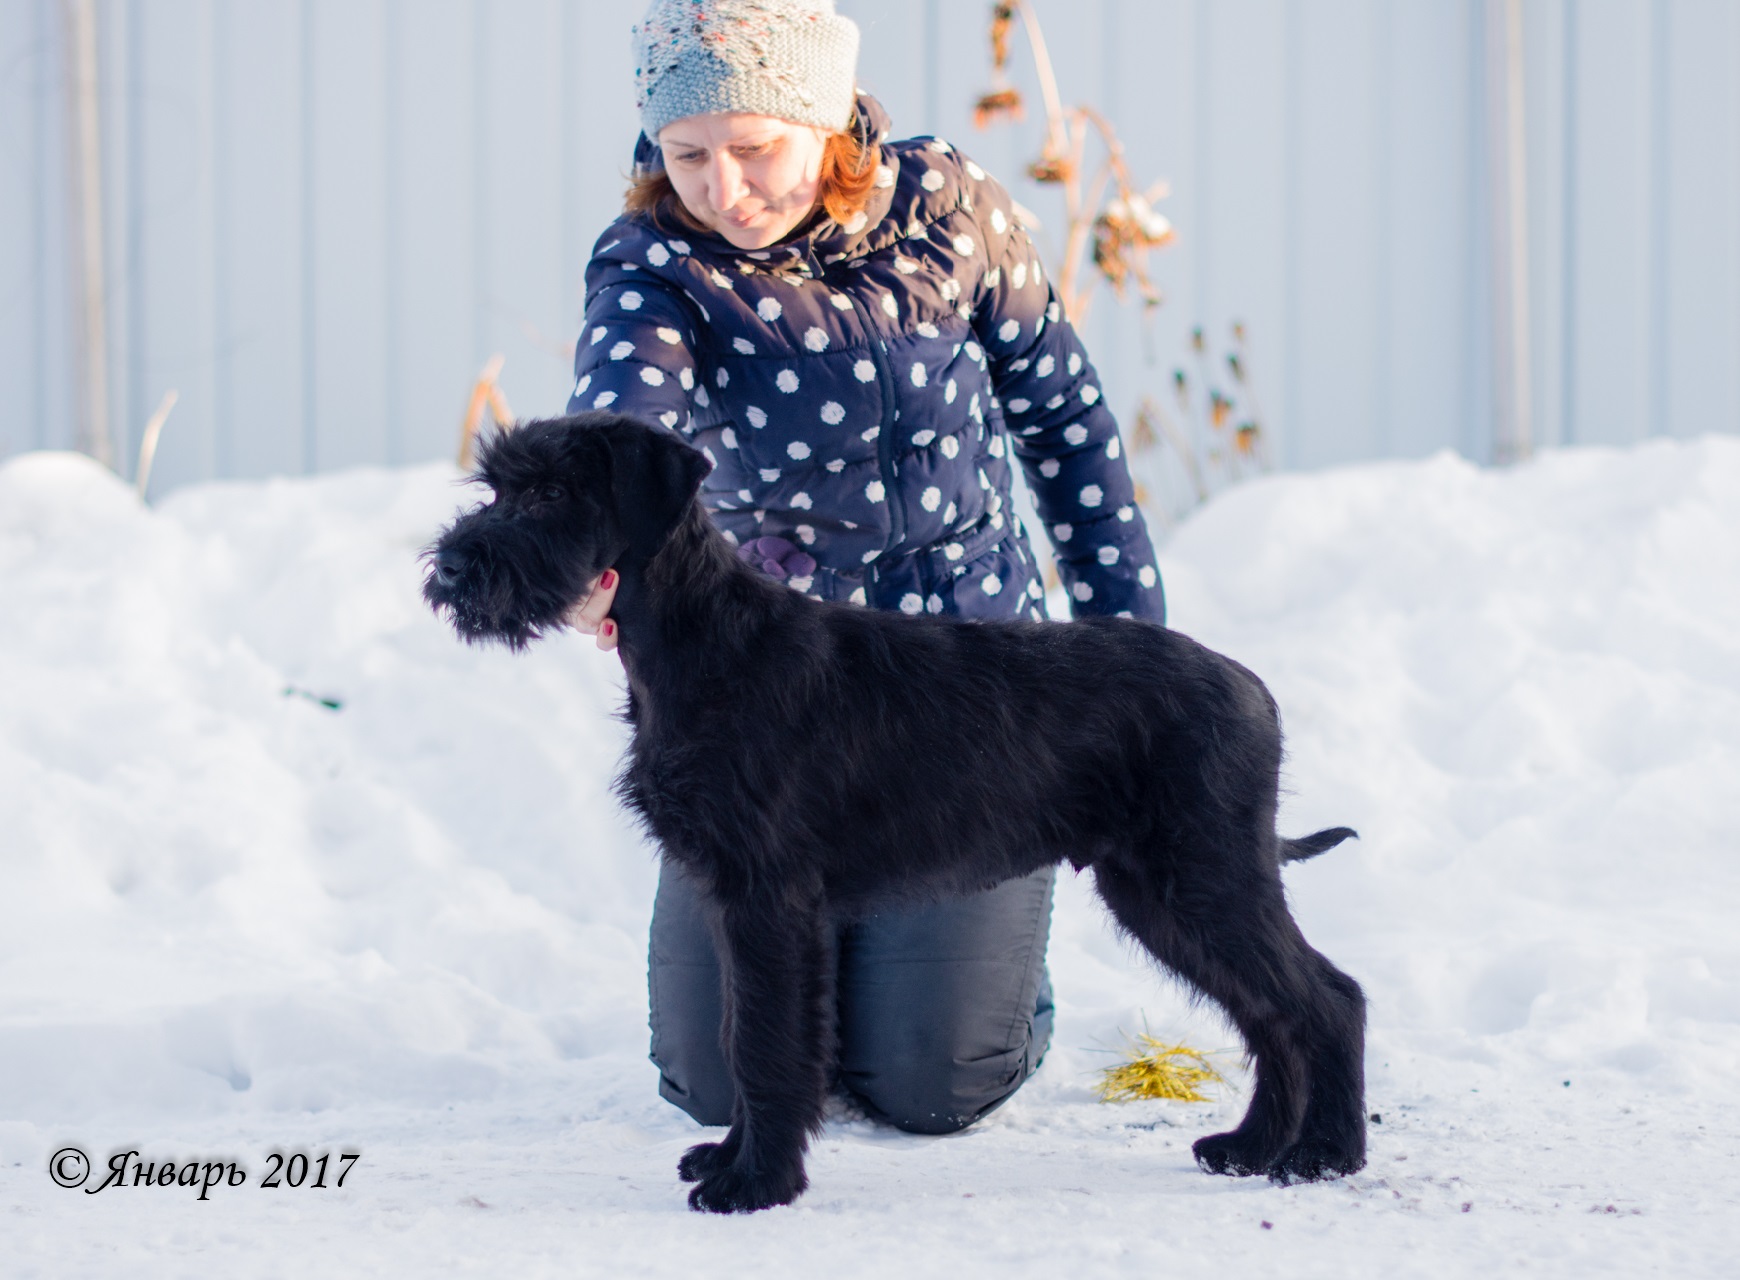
(858,334)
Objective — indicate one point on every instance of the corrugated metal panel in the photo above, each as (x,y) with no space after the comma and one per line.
(1611,204)
(1697,235)
(431,204)
(177,339)
(325,215)
(35,288)
(345,259)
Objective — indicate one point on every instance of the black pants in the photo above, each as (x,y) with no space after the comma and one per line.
(944,1010)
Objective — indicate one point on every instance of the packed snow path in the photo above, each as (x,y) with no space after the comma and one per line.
(236,920)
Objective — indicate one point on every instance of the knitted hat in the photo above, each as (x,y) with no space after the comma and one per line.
(792,59)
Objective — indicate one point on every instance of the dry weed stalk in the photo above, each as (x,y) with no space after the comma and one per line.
(148,441)
(485,393)
(1107,211)
(1214,426)
(1215,429)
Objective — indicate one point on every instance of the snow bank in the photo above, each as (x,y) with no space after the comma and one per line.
(1524,689)
(217,891)
(229,909)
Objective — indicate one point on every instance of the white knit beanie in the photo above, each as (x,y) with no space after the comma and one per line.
(792,59)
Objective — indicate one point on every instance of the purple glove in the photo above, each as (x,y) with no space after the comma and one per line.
(777,558)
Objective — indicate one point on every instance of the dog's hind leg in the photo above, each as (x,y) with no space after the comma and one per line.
(777,954)
(1237,944)
(1332,1139)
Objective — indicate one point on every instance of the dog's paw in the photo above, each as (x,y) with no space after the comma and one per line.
(1313,1160)
(1233,1154)
(732,1190)
(702,1161)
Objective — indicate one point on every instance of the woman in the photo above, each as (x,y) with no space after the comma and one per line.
(857,334)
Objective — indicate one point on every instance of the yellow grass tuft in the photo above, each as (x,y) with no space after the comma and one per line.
(1155,1069)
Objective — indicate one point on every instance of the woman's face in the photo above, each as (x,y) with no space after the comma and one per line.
(752,179)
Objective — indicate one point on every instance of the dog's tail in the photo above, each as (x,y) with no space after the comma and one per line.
(1312,845)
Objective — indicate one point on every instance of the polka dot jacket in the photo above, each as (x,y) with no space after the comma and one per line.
(859,390)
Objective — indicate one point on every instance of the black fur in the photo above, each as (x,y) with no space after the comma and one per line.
(1312,845)
(807,761)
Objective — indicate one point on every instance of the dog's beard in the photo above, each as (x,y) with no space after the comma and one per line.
(491,601)
(476,625)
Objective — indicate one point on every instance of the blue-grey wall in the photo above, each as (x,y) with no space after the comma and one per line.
(323,216)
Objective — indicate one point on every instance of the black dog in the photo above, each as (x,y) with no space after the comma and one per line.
(807,761)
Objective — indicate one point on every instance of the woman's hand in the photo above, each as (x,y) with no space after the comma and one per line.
(589,617)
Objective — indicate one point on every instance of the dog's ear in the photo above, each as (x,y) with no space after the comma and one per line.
(654,477)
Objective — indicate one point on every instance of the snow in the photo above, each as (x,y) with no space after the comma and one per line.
(235,921)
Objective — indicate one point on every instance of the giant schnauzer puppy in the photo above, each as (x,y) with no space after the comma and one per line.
(806,761)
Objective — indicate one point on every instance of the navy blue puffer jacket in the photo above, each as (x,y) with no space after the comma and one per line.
(859,389)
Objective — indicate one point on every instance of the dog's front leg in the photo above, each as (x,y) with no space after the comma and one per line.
(777,961)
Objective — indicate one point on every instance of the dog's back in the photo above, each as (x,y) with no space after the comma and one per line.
(957,753)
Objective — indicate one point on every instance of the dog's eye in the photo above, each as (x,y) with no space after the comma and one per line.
(552,493)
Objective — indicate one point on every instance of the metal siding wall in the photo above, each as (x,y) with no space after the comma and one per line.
(1246,256)
(1343,220)
(19,261)
(1700,233)
(1546,142)
(114,27)
(891,57)
(177,334)
(599,129)
(1150,86)
(1611,162)
(1429,159)
(345,272)
(56,426)
(262,238)
(325,216)
(519,289)
(431,193)
(36,348)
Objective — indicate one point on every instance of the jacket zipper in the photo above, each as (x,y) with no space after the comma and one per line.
(885,435)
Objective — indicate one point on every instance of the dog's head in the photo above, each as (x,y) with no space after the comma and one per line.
(572,498)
